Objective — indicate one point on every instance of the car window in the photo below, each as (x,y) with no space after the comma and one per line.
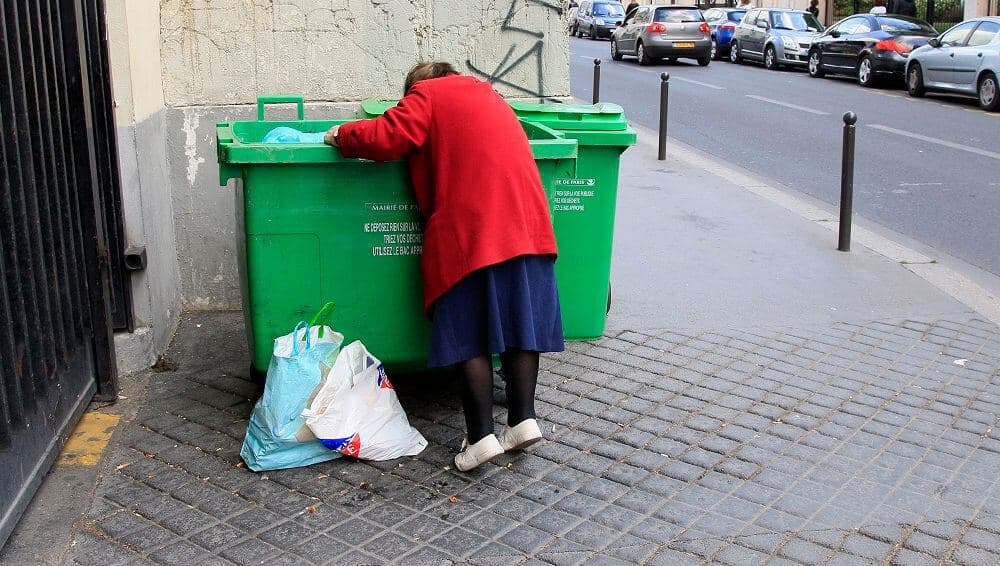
(797,21)
(736,16)
(613,10)
(642,15)
(584,8)
(713,14)
(761,16)
(678,15)
(843,25)
(956,35)
(984,34)
(861,27)
(902,24)
(750,17)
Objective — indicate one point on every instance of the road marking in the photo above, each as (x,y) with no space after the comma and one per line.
(88,440)
(682,79)
(787,105)
(920,184)
(946,143)
(692,81)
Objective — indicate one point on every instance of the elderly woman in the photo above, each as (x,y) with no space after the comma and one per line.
(489,250)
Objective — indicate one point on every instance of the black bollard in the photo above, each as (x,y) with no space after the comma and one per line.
(847,182)
(597,81)
(664,100)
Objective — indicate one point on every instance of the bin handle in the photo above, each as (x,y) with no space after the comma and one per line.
(295,337)
(319,319)
(280,99)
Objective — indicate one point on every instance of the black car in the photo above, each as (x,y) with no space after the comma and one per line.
(868,46)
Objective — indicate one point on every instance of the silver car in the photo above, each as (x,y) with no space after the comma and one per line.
(775,36)
(964,60)
(657,32)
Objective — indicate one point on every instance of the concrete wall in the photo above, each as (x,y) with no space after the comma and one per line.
(218,55)
(138,93)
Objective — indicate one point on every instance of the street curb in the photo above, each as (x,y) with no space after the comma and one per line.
(948,280)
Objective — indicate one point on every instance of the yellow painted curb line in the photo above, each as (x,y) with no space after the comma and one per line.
(88,441)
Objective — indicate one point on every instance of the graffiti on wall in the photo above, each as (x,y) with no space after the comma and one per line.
(514,60)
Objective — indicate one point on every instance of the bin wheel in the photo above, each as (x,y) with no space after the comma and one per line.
(609,300)
(256,375)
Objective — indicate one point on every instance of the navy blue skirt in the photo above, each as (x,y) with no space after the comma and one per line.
(512,305)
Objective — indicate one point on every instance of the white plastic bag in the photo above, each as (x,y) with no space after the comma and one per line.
(356,411)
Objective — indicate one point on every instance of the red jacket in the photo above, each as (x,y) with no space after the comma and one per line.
(476,182)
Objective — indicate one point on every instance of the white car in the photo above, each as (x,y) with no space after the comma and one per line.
(964,60)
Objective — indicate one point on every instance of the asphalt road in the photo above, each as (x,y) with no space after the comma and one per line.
(927,168)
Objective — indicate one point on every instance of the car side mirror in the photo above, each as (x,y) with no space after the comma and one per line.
(934,42)
(762,25)
(834,33)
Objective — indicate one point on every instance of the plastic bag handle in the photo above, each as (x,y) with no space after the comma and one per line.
(295,337)
(319,319)
(279,99)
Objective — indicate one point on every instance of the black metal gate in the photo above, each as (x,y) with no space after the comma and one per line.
(56,346)
(941,13)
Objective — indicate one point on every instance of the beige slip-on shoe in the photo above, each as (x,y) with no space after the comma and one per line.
(521,436)
(471,457)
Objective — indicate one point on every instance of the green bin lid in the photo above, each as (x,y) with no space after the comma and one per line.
(372,108)
(603,116)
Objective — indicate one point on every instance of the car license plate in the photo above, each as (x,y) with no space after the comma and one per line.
(687,44)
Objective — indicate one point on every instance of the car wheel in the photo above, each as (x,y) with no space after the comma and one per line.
(815,64)
(714,53)
(866,72)
(915,80)
(593,35)
(640,53)
(734,53)
(615,54)
(989,92)
(704,61)
(770,59)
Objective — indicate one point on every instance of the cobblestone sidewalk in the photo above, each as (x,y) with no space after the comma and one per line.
(852,444)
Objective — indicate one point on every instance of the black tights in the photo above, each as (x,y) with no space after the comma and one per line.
(520,370)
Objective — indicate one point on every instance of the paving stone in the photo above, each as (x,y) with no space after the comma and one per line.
(905,557)
(525,538)
(180,553)
(253,551)
(426,555)
(971,556)
(458,542)
(149,538)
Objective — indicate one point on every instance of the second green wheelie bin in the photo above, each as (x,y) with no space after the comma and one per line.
(319,227)
(583,205)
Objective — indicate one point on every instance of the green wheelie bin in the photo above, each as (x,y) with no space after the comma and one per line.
(583,205)
(319,227)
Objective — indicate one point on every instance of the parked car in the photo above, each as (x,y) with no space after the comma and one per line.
(722,22)
(775,36)
(571,19)
(598,18)
(655,32)
(964,60)
(868,46)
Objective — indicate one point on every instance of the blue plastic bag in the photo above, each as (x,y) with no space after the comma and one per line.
(284,134)
(277,436)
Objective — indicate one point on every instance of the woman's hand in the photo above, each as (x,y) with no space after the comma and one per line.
(331,136)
